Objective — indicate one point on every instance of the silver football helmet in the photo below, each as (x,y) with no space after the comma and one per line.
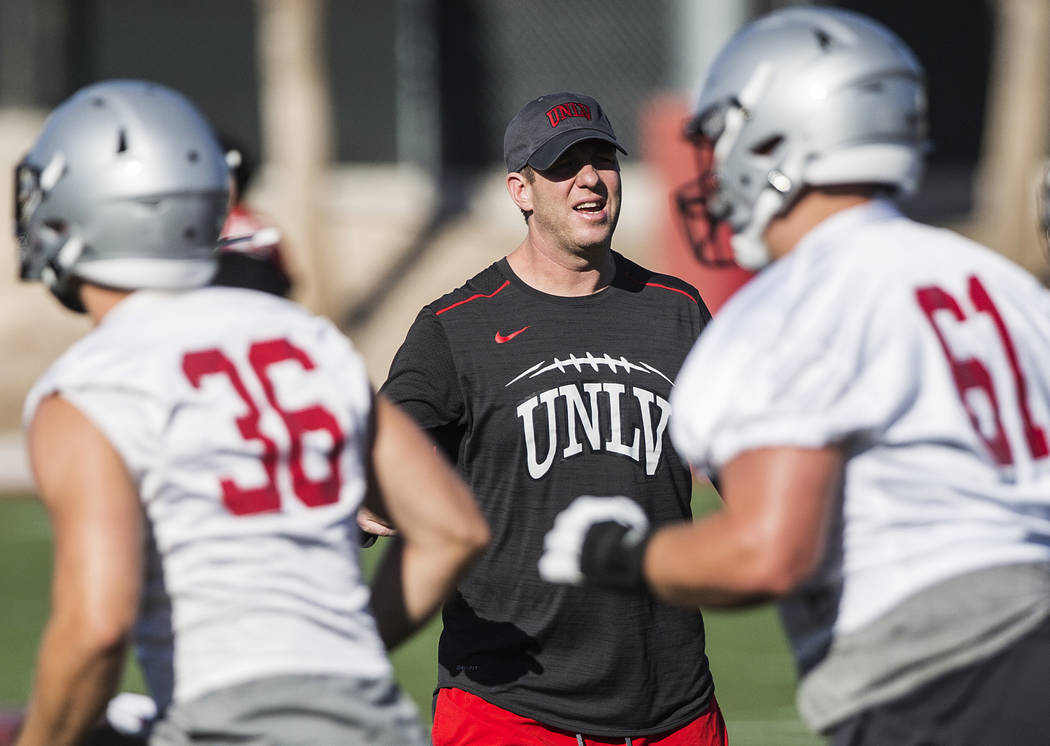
(804,96)
(127,187)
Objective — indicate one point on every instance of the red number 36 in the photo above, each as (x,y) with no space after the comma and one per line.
(971,373)
(261,355)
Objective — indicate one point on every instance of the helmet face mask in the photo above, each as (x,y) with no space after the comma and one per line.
(805,97)
(45,249)
(28,195)
(703,213)
(126,187)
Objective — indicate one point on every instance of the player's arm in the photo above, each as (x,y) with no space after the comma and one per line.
(768,536)
(97,530)
(440,529)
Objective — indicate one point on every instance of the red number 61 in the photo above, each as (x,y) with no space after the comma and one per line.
(971,373)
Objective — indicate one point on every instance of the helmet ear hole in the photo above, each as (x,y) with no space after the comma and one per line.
(122,141)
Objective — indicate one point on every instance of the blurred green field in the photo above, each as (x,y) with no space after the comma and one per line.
(753,674)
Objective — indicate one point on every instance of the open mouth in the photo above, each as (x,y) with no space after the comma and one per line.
(592,206)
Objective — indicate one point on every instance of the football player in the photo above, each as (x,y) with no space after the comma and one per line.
(876,403)
(202,453)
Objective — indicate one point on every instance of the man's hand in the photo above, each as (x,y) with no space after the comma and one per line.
(598,541)
(372,526)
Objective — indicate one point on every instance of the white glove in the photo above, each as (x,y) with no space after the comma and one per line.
(131,714)
(562,560)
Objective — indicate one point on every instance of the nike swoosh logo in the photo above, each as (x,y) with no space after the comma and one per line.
(500,339)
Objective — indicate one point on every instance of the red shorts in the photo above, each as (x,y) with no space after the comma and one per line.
(464,719)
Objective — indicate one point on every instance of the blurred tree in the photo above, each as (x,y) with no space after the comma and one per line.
(1017,123)
(296,124)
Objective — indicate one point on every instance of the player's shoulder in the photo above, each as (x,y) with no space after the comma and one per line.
(257,317)
(242,301)
(236,310)
(87,362)
(149,329)
(901,255)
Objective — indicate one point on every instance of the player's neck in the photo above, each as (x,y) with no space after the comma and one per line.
(99,301)
(557,273)
(811,209)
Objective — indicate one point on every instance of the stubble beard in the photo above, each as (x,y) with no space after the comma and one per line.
(573,244)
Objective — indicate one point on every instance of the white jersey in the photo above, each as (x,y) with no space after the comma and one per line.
(244,422)
(928,358)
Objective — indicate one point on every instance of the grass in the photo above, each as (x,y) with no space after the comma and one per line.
(754,679)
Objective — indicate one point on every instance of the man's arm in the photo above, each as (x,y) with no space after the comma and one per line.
(97,526)
(439,526)
(768,536)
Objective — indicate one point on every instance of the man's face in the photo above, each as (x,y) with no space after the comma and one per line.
(576,202)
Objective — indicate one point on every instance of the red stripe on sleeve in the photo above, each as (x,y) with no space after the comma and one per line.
(473,297)
(665,287)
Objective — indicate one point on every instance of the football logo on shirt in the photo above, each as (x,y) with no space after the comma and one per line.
(600,414)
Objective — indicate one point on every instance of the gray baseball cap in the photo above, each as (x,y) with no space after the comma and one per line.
(548,126)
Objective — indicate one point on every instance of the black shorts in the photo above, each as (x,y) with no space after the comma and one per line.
(1003,700)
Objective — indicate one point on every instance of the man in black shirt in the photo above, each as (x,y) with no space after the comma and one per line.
(545,376)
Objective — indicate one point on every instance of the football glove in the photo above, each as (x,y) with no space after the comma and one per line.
(597,541)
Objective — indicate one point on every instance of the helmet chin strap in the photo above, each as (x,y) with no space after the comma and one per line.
(749,248)
(56,274)
(70,252)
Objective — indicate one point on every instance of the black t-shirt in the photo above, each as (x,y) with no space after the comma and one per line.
(538,399)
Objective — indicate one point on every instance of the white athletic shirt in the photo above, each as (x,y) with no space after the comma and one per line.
(928,357)
(227,407)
